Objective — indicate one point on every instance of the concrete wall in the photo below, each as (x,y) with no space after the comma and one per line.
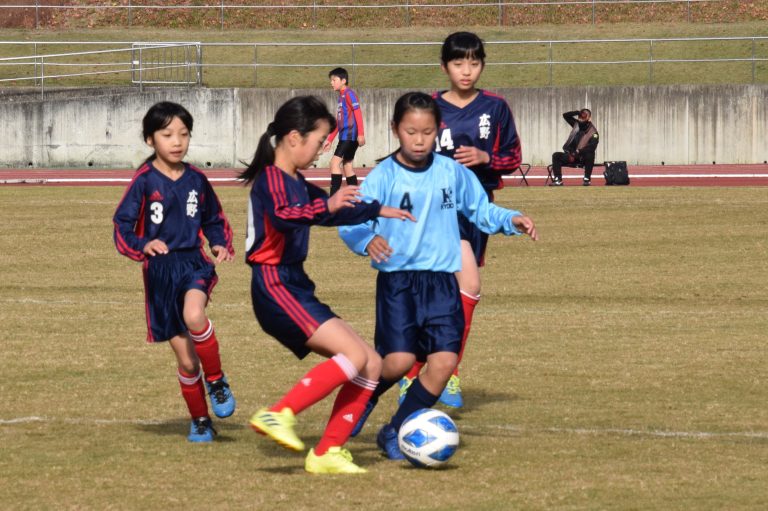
(642,125)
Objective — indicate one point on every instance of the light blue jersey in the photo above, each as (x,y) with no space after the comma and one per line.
(433,194)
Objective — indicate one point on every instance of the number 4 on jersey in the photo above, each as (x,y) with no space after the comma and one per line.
(405,203)
(444,141)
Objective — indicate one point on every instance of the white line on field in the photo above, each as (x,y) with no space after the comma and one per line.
(653,433)
(238,305)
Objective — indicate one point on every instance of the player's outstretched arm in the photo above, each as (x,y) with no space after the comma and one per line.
(526,225)
(390,212)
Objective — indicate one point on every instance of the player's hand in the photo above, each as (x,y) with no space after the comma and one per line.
(390,212)
(525,225)
(156,247)
(222,254)
(346,197)
(470,156)
(326,146)
(379,249)
(361,140)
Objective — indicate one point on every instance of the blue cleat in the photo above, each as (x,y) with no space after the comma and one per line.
(451,395)
(369,406)
(201,430)
(387,442)
(222,400)
(404,384)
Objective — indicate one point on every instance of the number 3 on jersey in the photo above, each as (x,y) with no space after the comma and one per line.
(444,140)
(157,212)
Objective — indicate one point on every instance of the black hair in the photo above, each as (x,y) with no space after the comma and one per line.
(462,45)
(409,102)
(339,72)
(159,116)
(586,110)
(415,101)
(302,114)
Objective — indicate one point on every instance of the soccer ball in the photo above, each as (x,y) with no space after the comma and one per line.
(428,438)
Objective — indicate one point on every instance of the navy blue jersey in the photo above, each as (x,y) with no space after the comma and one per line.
(486,123)
(280,211)
(180,213)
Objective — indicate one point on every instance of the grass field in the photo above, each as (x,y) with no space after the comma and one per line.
(619,363)
(369,75)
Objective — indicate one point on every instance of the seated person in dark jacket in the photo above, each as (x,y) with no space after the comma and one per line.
(579,148)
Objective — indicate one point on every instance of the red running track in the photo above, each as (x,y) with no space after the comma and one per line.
(640,175)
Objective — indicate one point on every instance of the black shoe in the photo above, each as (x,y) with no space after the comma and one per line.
(586,182)
(556,182)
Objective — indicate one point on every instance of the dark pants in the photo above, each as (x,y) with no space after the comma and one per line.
(560,160)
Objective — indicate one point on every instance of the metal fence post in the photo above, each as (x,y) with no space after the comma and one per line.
(37,14)
(255,66)
(753,60)
(35,50)
(314,13)
(222,15)
(407,14)
(593,12)
(141,70)
(199,64)
(354,66)
(130,13)
(688,3)
(650,62)
(501,14)
(550,63)
(42,77)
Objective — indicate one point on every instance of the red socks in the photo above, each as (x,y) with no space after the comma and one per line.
(468,302)
(320,381)
(415,370)
(347,409)
(194,394)
(207,349)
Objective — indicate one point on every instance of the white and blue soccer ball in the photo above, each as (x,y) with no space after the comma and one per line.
(428,438)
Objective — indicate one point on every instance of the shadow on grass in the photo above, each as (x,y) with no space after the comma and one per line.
(475,400)
(180,428)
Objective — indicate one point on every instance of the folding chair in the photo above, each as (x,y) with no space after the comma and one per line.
(524,169)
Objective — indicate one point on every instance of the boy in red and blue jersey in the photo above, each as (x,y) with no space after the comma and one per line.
(349,127)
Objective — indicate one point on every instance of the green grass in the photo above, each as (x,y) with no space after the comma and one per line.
(619,363)
(495,75)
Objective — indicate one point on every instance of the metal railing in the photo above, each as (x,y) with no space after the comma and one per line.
(185,64)
(313,9)
(145,63)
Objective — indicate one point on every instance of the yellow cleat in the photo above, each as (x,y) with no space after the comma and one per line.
(278,426)
(405,384)
(335,461)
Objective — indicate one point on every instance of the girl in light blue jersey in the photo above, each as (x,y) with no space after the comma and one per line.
(418,306)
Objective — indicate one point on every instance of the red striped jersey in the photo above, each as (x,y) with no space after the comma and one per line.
(348,116)
(486,123)
(181,213)
(280,211)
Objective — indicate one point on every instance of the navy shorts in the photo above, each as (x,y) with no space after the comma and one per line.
(346,149)
(285,305)
(418,312)
(167,278)
(477,239)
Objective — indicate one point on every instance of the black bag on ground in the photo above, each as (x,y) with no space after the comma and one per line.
(616,173)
